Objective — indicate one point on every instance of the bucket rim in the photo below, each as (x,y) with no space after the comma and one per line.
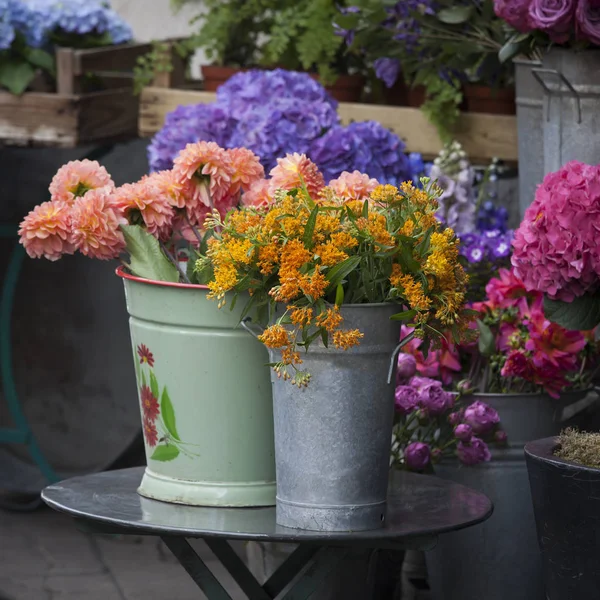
(120,272)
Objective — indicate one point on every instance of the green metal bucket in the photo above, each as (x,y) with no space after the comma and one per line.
(205,398)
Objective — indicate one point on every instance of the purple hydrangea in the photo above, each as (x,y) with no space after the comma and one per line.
(417,456)
(473,452)
(188,124)
(367,147)
(418,167)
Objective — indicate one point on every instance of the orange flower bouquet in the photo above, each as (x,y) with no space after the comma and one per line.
(308,249)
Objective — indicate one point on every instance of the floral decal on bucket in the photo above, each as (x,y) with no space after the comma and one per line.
(158,415)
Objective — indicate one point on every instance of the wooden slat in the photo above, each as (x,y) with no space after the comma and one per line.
(110,58)
(483,136)
(65,75)
(38,119)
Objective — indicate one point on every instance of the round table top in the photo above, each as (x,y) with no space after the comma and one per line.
(418,506)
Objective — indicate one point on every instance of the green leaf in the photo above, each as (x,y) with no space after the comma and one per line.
(365,209)
(168,414)
(455,15)
(582,314)
(144,382)
(165,453)
(310,227)
(487,342)
(325,337)
(16,75)
(154,385)
(339,295)
(510,49)
(336,275)
(147,259)
(404,316)
(42,59)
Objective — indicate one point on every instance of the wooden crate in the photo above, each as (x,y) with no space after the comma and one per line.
(71,117)
(483,136)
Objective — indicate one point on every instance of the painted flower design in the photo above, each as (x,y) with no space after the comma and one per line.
(149,404)
(145,355)
(150,433)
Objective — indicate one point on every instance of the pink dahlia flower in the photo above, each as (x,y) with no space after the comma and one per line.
(76,178)
(205,170)
(95,225)
(46,231)
(295,169)
(353,186)
(146,200)
(246,170)
(557,246)
(167,185)
(259,194)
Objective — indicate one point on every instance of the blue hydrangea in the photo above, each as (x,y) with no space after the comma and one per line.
(7,31)
(188,124)
(31,21)
(366,146)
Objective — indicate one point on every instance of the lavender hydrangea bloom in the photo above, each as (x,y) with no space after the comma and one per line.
(283,125)
(367,147)
(7,31)
(246,91)
(387,69)
(187,124)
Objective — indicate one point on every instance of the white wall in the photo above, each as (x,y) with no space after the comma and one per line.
(156,20)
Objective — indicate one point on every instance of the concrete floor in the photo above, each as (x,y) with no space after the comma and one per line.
(44,557)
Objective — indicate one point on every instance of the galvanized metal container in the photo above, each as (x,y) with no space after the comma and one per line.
(332,439)
(530,131)
(205,398)
(500,558)
(570,82)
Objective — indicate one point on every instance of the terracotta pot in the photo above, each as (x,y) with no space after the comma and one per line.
(484,99)
(401,94)
(347,88)
(215,75)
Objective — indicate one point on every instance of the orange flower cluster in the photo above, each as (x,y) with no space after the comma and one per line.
(312,250)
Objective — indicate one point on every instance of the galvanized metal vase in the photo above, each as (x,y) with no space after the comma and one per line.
(332,439)
(205,398)
(500,558)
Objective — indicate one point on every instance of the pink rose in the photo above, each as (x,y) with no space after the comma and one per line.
(588,21)
(481,417)
(473,452)
(555,17)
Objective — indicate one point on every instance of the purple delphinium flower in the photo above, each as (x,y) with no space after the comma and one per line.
(490,218)
(407,399)
(417,456)
(387,69)
(188,124)
(481,417)
(367,147)
(474,452)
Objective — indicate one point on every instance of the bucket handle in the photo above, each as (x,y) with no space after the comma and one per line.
(548,93)
(250,327)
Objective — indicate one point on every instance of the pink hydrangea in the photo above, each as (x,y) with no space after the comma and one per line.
(148,201)
(557,246)
(294,170)
(76,178)
(353,186)
(95,225)
(46,231)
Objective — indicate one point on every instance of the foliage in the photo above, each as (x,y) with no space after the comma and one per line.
(158,60)
(283,33)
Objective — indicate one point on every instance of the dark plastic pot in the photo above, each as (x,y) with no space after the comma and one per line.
(401,94)
(215,75)
(565,499)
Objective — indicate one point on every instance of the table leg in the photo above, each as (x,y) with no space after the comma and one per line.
(292,565)
(196,568)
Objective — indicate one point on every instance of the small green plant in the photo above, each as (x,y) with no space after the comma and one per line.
(158,60)
(579,447)
(443,98)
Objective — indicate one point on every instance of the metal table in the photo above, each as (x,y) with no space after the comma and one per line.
(420,508)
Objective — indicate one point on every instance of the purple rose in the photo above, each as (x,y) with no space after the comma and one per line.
(432,397)
(436,455)
(407,367)
(588,21)
(555,17)
(463,432)
(481,417)
(387,70)
(455,418)
(417,455)
(514,12)
(473,452)
(407,399)
(500,437)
